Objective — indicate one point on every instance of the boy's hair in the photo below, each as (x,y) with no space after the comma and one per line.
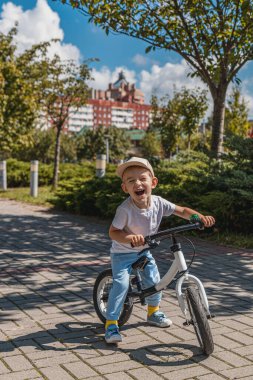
(134,161)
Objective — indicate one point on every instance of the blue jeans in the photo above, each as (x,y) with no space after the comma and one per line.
(121,270)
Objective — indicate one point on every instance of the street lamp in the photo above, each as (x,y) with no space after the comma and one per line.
(107,148)
(34,178)
(3,176)
(100,165)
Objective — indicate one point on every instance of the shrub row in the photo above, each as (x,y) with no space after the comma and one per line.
(226,193)
(18,173)
(193,181)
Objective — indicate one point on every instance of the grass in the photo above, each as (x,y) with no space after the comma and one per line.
(232,239)
(22,194)
(46,196)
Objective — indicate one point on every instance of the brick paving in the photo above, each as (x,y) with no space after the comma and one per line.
(48,327)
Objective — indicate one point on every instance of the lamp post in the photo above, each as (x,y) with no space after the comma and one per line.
(100,165)
(34,178)
(107,148)
(3,176)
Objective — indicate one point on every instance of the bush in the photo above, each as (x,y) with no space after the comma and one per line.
(192,180)
(96,196)
(233,210)
(18,172)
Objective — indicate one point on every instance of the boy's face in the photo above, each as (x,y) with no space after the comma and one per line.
(138,183)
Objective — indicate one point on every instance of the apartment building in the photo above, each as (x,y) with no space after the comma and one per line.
(121,105)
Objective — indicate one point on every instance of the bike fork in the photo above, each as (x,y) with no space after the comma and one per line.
(202,293)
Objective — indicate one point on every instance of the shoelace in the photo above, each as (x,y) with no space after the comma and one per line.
(113,331)
(160,315)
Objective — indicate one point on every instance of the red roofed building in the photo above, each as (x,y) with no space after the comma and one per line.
(121,105)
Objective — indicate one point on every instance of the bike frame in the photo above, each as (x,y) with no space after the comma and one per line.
(178,266)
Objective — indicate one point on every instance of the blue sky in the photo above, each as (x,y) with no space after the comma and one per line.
(156,72)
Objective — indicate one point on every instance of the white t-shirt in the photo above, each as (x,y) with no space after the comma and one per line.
(134,220)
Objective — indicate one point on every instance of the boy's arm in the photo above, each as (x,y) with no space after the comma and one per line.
(123,237)
(186,213)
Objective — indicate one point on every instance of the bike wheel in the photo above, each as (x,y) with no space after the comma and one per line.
(199,320)
(101,291)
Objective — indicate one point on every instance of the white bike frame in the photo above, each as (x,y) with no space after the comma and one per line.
(178,266)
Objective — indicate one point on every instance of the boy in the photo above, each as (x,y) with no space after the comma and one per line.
(138,216)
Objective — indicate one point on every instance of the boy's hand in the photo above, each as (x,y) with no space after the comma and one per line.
(208,221)
(137,240)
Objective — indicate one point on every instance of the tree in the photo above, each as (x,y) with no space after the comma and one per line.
(166,121)
(42,147)
(236,116)
(151,145)
(214,37)
(193,105)
(64,91)
(19,93)
(92,142)
(89,144)
(119,143)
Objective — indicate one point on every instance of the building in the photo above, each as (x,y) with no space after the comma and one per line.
(121,91)
(121,105)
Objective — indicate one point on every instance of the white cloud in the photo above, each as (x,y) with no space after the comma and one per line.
(140,60)
(246,90)
(37,25)
(161,80)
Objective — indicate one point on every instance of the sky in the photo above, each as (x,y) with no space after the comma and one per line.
(156,73)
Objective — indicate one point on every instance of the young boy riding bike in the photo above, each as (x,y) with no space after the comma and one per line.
(138,216)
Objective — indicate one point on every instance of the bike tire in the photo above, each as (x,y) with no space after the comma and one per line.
(199,320)
(101,290)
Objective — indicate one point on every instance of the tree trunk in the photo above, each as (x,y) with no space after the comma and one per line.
(218,122)
(57,158)
(189,142)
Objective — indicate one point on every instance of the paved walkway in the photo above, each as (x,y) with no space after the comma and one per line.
(48,328)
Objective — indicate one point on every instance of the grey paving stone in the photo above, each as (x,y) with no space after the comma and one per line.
(118,376)
(227,343)
(117,367)
(49,261)
(80,370)
(244,350)
(238,373)
(210,376)
(213,363)
(3,368)
(21,375)
(56,360)
(241,338)
(232,358)
(18,363)
(107,359)
(56,372)
(144,374)
(186,374)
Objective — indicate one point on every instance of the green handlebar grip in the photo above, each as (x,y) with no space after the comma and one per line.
(194,218)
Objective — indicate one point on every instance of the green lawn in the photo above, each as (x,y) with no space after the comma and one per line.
(22,194)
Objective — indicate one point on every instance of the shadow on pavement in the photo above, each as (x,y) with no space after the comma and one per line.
(75,336)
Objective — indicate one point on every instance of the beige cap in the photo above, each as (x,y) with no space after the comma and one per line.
(134,161)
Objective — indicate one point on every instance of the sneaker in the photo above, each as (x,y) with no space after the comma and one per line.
(112,334)
(159,319)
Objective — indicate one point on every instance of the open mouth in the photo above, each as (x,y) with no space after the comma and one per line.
(139,192)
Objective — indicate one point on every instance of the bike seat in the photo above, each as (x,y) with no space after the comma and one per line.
(140,263)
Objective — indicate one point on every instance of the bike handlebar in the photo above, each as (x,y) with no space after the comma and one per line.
(171,231)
